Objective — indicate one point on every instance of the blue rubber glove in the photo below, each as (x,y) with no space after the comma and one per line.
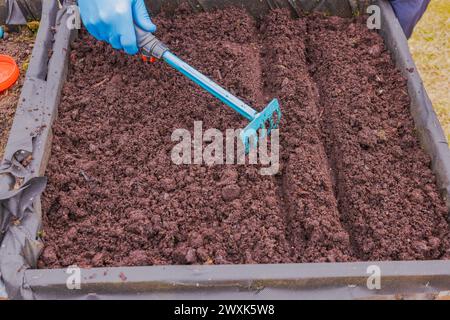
(409,13)
(113,21)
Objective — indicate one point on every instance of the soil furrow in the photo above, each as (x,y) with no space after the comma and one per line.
(389,201)
(311,211)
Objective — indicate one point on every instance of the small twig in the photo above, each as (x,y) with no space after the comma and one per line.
(100,83)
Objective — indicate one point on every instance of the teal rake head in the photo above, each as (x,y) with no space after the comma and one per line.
(261,123)
(267,120)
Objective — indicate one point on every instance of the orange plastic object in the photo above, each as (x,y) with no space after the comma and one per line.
(147,59)
(9,72)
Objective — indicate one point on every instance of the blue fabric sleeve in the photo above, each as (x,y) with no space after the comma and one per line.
(409,13)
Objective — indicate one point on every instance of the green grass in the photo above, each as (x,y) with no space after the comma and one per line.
(430,47)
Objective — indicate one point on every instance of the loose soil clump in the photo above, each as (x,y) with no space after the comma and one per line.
(353,182)
(18,46)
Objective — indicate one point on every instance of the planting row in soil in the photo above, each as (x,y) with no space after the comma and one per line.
(353,183)
(383,183)
(18,45)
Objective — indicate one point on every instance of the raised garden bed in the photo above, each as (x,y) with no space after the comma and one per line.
(354,184)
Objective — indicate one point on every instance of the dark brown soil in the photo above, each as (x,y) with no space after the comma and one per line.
(354,183)
(385,189)
(19,46)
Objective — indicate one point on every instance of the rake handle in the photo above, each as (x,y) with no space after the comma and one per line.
(150,46)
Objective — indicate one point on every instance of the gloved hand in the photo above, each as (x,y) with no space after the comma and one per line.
(113,21)
(409,13)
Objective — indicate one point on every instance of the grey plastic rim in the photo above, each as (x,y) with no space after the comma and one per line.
(419,279)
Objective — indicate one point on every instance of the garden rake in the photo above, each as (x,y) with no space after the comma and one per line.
(269,119)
